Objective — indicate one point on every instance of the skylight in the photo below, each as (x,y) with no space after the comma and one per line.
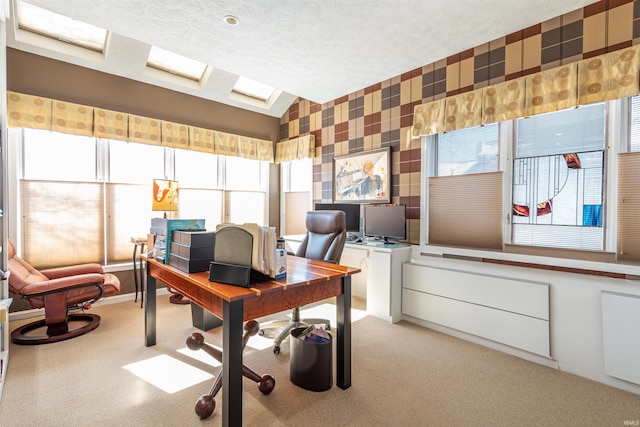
(253,89)
(52,25)
(176,64)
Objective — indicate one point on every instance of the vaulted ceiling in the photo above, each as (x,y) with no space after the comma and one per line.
(318,50)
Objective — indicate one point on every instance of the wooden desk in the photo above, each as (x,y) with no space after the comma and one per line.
(307,281)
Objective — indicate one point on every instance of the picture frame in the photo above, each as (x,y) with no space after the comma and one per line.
(363,177)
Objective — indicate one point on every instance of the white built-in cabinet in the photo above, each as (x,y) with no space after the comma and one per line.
(380,279)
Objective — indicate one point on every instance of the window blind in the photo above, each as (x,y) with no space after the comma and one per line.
(629,206)
(466,210)
(62,222)
(296,205)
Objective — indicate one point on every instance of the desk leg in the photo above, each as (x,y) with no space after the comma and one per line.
(232,363)
(150,311)
(343,346)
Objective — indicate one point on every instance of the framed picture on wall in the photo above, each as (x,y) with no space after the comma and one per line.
(363,177)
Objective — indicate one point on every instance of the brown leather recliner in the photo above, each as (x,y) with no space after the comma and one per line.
(324,240)
(58,291)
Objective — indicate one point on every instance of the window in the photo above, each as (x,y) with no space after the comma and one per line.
(200,191)
(253,89)
(173,63)
(125,163)
(245,182)
(81,199)
(58,197)
(558,175)
(297,183)
(59,157)
(58,27)
(465,198)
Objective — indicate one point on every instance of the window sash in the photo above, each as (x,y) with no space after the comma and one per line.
(245,207)
(471,150)
(128,215)
(46,156)
(202,203)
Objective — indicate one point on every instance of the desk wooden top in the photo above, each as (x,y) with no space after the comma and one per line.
(300,272)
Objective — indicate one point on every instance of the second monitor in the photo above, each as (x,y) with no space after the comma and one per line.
(351,210)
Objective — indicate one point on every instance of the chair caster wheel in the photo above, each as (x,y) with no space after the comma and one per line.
(276,349)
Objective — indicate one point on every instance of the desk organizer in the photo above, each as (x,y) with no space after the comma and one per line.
(231,274)
(191,251)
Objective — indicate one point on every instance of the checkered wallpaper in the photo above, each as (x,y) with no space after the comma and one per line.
(381,115)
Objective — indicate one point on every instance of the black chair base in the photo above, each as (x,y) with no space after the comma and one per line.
(57,332)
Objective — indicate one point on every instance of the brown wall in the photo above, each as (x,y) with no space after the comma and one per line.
(381,115)
(36,75)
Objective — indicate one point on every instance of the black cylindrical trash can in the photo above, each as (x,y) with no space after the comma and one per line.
(310,363)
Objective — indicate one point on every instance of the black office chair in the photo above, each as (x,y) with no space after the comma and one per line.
(324,240)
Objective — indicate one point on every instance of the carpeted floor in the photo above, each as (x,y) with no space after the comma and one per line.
(403,375)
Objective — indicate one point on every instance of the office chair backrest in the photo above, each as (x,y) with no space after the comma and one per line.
(325,237)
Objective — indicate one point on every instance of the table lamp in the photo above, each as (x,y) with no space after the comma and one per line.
(165,196)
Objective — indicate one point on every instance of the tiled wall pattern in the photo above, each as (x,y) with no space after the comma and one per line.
(381,115)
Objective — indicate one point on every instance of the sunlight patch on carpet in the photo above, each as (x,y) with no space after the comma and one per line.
(259,342)
(328,311)
(168,374)
(201,356)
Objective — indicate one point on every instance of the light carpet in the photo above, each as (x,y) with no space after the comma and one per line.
(403,375)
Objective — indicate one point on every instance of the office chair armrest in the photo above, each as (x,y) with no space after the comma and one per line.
(62,284)
(72,270)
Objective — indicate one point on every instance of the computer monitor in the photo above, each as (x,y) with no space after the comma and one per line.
(351,211)
(385,222)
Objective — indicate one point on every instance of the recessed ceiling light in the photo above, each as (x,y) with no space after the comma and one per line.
(231,20)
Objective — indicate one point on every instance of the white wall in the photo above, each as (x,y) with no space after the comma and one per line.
(575,315)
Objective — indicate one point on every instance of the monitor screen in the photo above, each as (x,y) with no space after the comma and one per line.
(351,210)
(385,221)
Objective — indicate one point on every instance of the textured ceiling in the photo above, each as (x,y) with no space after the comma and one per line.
(318,50)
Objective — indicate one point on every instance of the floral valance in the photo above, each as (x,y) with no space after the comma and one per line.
(610,76)
(28,111)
